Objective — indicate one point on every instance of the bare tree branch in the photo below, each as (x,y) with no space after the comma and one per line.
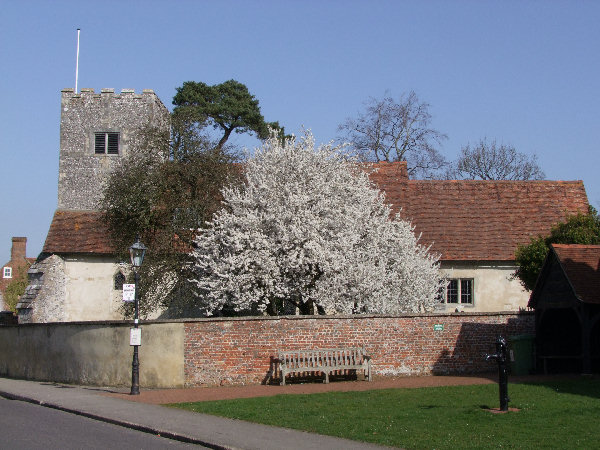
(490,161)
(390,130)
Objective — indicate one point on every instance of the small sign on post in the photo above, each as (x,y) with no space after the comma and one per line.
(135,336)
(129,292)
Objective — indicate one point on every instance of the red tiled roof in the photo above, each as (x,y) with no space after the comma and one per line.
(19,262)
(462,220)
(581,264)
(479,220)
(78,232)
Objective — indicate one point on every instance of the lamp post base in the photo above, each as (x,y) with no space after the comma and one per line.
(135,373)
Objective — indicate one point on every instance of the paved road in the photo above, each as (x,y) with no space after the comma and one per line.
(209,431)
(28,426)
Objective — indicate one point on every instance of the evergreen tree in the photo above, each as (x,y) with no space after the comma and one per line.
(577,229)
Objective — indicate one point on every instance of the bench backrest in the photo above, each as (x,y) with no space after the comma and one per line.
(323,357)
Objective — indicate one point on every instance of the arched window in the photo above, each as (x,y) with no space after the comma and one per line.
(119,280)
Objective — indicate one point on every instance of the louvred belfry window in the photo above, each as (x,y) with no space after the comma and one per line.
(106,143)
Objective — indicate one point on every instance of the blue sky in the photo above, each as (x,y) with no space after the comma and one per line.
(526,73)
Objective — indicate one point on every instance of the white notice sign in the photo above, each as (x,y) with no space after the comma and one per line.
(135,336)
(129,292)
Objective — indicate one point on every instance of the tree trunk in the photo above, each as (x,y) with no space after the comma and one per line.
(306,309)
(272,308)
(224,138)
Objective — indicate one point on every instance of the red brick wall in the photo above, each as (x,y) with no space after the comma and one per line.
(17,261)
(242,350)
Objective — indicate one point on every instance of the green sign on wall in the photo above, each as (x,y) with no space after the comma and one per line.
(438,327)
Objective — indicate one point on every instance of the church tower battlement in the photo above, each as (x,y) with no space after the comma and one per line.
(96,132)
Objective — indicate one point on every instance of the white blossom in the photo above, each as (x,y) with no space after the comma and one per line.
(308,230)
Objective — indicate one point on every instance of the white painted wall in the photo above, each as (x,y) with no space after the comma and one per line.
(86,289)
(494,286)
(90,293)
(75,288)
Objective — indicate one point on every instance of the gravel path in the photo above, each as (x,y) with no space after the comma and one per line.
(162,396)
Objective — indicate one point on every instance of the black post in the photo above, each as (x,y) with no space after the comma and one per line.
(500,357)
(135,365)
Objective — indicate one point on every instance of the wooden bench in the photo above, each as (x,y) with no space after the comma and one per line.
(326,361)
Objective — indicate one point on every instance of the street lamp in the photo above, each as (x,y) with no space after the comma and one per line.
(137,252)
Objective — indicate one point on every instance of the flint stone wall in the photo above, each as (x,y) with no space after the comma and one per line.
(82,173)
(44,297)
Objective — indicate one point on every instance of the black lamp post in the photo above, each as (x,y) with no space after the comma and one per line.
(137,252)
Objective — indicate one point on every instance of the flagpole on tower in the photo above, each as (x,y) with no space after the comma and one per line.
(77,62)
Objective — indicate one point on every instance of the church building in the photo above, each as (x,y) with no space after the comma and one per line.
(475,226)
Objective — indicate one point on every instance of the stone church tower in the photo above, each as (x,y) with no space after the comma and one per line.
(96,132)
(77,277)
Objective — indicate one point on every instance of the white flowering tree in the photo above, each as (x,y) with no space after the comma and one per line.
(309,231)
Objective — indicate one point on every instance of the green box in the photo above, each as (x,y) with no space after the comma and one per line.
(521,360)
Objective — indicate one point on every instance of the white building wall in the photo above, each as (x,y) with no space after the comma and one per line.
(75,288)
(495,288)
(81,288)
(90,293)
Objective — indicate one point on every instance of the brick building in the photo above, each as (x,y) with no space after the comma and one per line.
(18,261)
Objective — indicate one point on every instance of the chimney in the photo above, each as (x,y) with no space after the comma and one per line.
(19,248)
(388,174)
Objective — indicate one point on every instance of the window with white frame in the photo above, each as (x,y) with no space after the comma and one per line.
(7,272)
(106,143)
(458,291)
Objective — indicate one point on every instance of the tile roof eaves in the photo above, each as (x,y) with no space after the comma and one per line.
(475,258)
(77,231)
(83,253)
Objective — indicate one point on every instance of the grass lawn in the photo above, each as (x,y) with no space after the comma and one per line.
(560,414)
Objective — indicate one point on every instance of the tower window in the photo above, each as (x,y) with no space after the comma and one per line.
(7,273)
(106,143)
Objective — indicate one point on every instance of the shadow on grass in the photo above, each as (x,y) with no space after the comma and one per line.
(584,385)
